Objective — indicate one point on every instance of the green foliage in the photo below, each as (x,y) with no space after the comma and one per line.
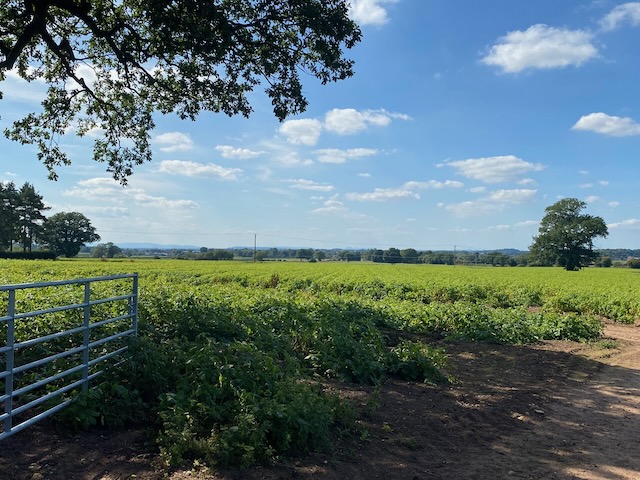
(106,250)
(234,404)
(109,404)
(177,57)
(633,263)
(566,236)
(67,232)
(416,361)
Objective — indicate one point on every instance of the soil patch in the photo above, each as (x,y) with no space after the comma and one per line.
(556,410)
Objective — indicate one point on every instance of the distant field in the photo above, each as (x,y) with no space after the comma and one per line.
(612,293)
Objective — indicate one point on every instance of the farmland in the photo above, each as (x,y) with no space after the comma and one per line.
(235,360)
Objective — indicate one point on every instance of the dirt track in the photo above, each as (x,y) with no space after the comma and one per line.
(558,410)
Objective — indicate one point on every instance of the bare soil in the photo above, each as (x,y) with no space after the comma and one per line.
(555,410)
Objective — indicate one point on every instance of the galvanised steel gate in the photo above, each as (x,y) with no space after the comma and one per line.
(38,370)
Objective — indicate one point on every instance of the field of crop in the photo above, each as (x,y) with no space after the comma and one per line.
(231,358)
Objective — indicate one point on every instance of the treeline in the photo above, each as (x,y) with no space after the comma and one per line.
(23,224)
(391,255)
(622,254)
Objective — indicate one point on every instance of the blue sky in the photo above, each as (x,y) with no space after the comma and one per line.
(464,120)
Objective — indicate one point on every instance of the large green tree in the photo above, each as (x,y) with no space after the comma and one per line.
(110,64)
(67,232)
(566,235)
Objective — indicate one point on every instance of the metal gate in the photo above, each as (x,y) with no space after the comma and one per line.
(38,370)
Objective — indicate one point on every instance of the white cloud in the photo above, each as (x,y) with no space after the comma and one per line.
(592,199)
(174,142)
(85,72)
(348,121)
(526,181)
(106,211)
(614,204)
(541,46)
(301,132)
(335,207)
(433,184)
(473,208)
(227,151)
(384,194)
(629,223)
(604,183)
(95,187)
(364,175)
(518,195)
(161,202)
(586,185)
(334,155)
(625,13)
(407,191)
(608,125)
(331,206)
(15,88)
(341,121)
(496,201)
(108,190)
(289,158)
(494,169)
(302,184)
(369,12)
(194,169)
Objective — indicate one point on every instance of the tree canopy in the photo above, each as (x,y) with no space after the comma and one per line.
(566,236)
(67,232)
(110,65)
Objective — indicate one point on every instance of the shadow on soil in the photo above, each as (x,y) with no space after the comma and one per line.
(512,412)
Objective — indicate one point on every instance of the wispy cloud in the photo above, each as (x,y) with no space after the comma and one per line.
(541,47)
(334,155)
(15,88)
(227,151)
(608,125)
(627,13)
(334,207)
(303,184)
(108,190)
(629,223)
(494,202)
(494,169)
(194,169)
(409,190)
